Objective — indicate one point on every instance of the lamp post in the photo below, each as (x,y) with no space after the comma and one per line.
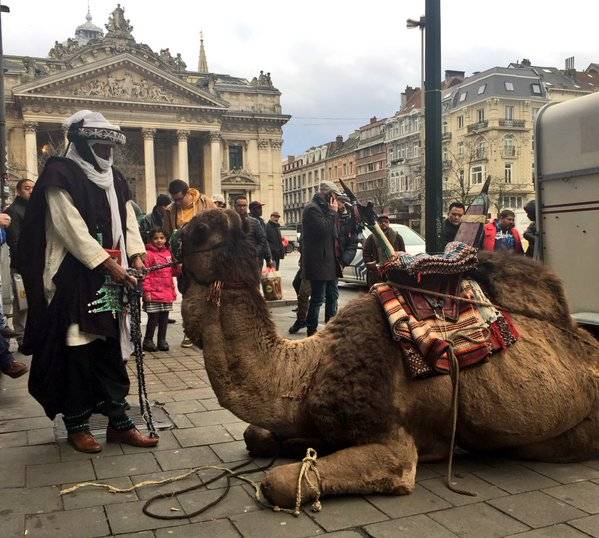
(421,24)
(3,174)
(433,193)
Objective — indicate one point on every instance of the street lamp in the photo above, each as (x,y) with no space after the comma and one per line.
(411,23)
(421,24)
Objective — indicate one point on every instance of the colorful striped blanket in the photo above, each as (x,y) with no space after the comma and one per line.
(478,331)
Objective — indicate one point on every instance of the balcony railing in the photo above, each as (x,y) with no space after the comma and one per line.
(478,126)
(508,153)
(446,135)
(446,163)
(512,124)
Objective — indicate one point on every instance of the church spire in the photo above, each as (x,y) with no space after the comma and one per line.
(202,62)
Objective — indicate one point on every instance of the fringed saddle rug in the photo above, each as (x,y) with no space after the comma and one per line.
(477,333)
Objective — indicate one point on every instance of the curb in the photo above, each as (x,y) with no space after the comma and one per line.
(281,302)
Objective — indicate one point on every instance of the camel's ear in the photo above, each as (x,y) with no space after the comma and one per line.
(234,220)
(196,232)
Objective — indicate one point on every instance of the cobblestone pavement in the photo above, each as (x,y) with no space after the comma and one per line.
(514,498)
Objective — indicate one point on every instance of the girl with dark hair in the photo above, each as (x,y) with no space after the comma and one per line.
(159,290)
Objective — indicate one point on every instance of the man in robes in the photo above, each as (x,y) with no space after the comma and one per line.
(80,227)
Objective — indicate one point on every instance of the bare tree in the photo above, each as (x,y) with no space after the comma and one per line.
(459,186)
(381,195)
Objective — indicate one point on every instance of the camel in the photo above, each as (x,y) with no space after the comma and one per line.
(345,390)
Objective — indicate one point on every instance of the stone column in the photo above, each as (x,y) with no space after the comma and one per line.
(175,160)
(215,162)
(276,146)
(182,137)
(149,190)
(31,150)
(265,160)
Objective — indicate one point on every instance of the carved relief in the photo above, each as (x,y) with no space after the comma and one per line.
(30,127)
(182,134)
(117,25)
(276,144)
(214,136)
(263,143)
(238,177)
(123,85)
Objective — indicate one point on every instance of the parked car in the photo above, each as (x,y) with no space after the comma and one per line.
(290,233)
(355,272)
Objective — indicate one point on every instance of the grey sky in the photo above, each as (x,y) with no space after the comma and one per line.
(346,60)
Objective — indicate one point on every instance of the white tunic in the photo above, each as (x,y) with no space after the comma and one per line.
(66,231)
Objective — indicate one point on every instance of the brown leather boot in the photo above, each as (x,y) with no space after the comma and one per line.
(131,437)
(84,442)
(15,369)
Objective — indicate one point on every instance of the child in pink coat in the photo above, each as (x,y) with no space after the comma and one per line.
(159,290)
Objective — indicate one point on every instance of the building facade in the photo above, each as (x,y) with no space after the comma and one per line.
(301,177)
(222,134)
(341,162)
(404,137)
(372,182)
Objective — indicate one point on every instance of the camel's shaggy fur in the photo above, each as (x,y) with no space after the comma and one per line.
(345,389)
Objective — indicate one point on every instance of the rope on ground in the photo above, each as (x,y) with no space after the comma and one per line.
(309,465)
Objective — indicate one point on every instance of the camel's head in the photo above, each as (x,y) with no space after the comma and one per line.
(215,248)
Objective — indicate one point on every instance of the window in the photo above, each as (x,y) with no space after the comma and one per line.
(513,202)
(351,167)
(480,113)
(463,96)
(460,122)
(315,175)
(480,150)
(336,175)
(344,169)
(416,151)
(509,86)
(460,149)
(509,146)
(235,157)
(508,172)
(509,112)
(476,174)
(536,89)
(481,89)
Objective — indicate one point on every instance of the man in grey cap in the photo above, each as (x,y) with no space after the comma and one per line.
(319,261)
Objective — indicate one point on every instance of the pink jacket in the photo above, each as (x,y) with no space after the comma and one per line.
(158,285)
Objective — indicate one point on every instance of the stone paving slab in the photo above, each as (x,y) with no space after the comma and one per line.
(536,509)
(58,473)
(346,512)
(555,531)
(476,520)
(589,524)
(186,458)
(267,523)
(220,528)
(68,524)
(418,526)
(420,501)
(128,465)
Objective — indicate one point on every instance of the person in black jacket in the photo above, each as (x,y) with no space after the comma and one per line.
(255,209)
(452,222)
(154,219)
(319,256)
(274,238)
(16,211)
(254,233)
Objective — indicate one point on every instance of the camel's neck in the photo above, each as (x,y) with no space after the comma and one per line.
(255,374)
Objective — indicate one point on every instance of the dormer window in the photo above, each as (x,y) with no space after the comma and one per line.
(481,89)
(536,89)
(509,86)
(463,96)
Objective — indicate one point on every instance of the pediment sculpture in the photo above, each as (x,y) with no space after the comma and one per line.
(122,86)
(238,177)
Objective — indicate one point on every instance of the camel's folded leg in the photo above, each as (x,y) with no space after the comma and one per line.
(384,467)
(262,443)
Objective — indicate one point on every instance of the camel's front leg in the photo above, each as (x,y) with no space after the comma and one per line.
(385,467)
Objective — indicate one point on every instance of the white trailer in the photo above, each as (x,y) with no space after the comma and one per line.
(567,192)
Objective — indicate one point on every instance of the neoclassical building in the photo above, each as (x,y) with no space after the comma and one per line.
(221,133)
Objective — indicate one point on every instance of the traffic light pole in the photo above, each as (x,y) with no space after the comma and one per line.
(432,114)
